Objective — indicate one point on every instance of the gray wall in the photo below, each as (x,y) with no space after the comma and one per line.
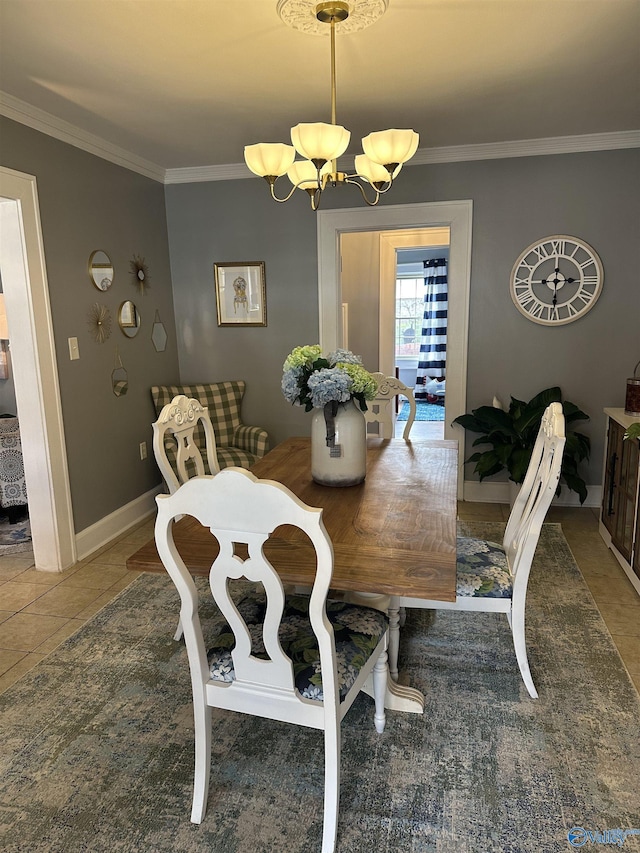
(516,201)
(87,203)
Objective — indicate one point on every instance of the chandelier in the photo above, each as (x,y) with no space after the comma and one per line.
(321,144)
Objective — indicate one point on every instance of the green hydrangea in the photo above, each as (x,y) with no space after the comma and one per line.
(302,356)
(362,382)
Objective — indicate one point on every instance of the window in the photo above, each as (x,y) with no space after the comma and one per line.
(409,311)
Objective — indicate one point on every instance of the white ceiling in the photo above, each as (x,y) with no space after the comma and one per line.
(187,83)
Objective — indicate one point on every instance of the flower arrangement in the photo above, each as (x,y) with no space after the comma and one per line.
(312,380)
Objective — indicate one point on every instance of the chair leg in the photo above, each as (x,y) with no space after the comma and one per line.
(179,632)
(380,677)
(331,785)
(520,646)
(202,726)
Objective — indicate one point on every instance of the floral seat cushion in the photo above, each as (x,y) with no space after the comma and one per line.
(357,631)
(482,570)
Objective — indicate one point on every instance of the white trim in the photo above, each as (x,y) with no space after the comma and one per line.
(389,242)
(38,119)
(200,174)
(528,148)
(115,524)
(45,122)
(449,154)
(498,493)
(455,214)
(24,278)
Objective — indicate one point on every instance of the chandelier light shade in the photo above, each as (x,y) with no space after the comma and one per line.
(373,172)
(320,144)
(303,174)
(390,147)
(269,158)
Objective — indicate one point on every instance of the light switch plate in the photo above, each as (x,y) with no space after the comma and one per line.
(74,351)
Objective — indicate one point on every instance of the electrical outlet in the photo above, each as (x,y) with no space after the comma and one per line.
(143,450)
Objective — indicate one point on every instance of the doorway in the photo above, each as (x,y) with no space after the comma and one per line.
(383,301)
(24,280)
(419,329)
(457,217)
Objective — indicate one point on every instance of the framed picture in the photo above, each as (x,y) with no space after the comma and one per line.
(240,293)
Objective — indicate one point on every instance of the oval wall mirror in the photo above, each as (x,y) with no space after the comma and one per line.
(129,319)
(101,269)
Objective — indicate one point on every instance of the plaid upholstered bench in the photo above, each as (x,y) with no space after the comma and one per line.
(236,444)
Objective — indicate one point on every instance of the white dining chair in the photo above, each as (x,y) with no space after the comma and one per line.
(380,409)
(492,577)
(174,446)
(302,659)
(175,449)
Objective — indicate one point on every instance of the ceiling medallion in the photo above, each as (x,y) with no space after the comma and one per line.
(321,144)
(302,15)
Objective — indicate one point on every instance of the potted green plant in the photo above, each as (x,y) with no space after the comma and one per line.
(633,431)
(512,435)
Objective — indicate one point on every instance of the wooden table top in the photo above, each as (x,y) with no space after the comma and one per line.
(394,534)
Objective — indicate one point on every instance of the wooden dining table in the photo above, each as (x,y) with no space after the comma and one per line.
(394,535)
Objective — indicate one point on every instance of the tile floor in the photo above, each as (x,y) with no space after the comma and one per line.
(38,610)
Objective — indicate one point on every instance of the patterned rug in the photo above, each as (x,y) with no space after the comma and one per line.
(424,411)
(15,538)
(97,745)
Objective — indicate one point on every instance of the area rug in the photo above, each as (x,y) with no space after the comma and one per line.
(15,538)
(424,412)
(97,743)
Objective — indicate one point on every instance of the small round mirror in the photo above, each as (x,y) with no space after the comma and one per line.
(101,269)
(129,319)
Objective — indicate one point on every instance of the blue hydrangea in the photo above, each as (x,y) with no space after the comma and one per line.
(291,384)
(345,356)
(327,385)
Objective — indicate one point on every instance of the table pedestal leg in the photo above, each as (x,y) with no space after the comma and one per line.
(397,697)
(389,604)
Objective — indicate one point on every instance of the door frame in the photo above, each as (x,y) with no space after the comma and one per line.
(34,365)
(457,215)
(390,241)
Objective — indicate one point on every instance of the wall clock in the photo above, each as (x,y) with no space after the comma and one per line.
(556,280)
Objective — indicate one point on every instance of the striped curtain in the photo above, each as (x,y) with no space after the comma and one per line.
(433,341)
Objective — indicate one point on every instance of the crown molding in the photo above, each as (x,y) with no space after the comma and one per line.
(38,119)
(451,154)
(200,174)
(528,147)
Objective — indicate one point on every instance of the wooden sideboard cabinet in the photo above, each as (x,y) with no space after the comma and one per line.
(620,513)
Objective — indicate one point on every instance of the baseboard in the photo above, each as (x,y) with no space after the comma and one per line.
(103,531)
(499,493)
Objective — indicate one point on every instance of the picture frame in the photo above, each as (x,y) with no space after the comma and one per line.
(241,293)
